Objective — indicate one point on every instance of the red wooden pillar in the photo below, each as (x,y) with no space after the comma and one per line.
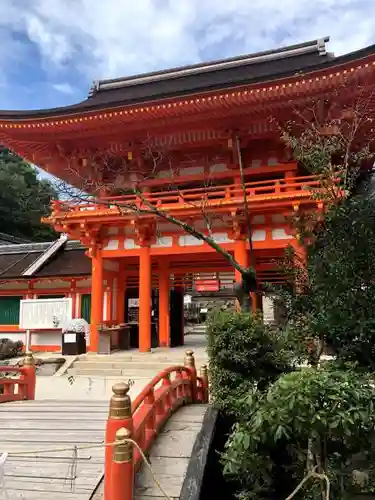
(120,416)
(122,468)
(120,298)
(29,375)
(164,337)
(241,255)
(96,299)
(145,299)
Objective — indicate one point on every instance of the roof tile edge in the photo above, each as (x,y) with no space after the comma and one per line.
(318,45)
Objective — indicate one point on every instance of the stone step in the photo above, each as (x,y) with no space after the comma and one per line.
(111,372)
(147,361)
(108,365)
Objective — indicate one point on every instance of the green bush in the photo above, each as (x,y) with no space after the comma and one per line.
(309,420)
(244,355)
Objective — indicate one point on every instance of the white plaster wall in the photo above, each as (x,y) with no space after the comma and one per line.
(112,245)
(84,283)
(218,167)
(258,219)
(191,171)
(13,286)
(41,338)
(46,338)
(55,284)
(163,242)
(280,234)
(15,336)
(259,235)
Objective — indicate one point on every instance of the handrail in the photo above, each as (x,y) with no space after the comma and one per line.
(195,197)
(19,389)
(142,419)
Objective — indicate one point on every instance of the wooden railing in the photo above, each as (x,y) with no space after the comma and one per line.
(141,421)
(21,385)
(209,196)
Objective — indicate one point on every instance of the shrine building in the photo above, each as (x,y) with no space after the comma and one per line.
(180,136)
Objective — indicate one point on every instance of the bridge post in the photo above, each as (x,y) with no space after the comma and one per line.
(29,375)
(204,377)
(122,470)
(189,362)
(120,416)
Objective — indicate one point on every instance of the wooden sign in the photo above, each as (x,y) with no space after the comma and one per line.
(45,314)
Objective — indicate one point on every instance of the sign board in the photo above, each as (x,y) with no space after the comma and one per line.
(133,302)
(45,314)
(207,285)
(70,338)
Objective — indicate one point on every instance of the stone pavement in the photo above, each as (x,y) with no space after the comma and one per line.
(140,369)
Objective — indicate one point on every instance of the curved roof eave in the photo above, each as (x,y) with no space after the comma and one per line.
(93,103)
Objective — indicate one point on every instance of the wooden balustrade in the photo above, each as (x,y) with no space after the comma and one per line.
(22,385)
(209,196)
(142,420)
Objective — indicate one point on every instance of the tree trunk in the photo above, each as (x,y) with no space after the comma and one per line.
(242,291)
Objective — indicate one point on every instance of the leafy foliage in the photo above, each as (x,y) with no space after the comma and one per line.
(24,199)
(244,355)
(307,420)
(334,302)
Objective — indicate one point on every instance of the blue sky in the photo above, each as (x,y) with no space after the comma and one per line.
(51,50)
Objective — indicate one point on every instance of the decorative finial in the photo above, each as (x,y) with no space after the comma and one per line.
(123,451)
(204,371)
(120,404)
(29,359)
(189,360)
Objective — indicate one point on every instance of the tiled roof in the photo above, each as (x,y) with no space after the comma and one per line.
(67,263)
(13,264)
(230,73)
(71,260)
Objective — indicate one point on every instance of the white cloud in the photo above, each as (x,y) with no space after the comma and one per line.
(119,37)
(64,88)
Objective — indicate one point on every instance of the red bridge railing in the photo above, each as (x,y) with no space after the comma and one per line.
(209,196)
(142,420)
(21,384)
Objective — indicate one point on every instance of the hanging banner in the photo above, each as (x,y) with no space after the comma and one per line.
(207,285)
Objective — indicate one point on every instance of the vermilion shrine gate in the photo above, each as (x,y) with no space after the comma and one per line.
(196,116)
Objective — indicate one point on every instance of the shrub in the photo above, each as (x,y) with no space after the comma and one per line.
(245,354)
(319,421)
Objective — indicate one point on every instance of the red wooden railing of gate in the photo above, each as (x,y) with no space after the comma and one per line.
(22,384)
(142,420)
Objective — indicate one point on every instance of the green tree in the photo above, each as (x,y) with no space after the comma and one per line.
(24,199)
(334,301)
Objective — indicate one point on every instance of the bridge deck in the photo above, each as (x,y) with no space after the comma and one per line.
(169,456)
(39,425)
(29,427)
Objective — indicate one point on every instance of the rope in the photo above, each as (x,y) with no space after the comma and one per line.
(91,446)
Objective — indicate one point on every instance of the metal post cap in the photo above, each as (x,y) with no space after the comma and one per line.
(120,404)
(29,359)
(123,451)
(204,370)
(189,358)
(120,389)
